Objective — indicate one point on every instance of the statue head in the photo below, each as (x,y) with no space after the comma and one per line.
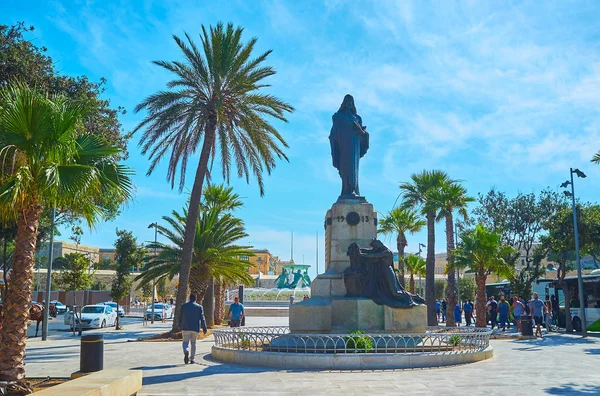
(377,244)
(348,105)
(353,249)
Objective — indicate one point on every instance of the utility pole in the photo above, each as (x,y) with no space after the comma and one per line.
(49,278)
(292,248)
(457,269)
(317,252)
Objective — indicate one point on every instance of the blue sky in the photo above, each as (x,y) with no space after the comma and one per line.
(498,94)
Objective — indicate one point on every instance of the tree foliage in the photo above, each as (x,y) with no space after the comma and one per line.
(76,275)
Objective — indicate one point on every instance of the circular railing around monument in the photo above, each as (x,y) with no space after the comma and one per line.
(436,340)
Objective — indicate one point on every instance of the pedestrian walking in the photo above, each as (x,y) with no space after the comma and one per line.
(492,307)
(517,309)
(457,314)
(536,308)
(235,314)
(547,312)
(191,317)
(292,299)
(503,311)
(438,310)
(468,309)
(444,309)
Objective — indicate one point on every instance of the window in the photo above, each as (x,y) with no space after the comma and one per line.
(259,259)
(244,258)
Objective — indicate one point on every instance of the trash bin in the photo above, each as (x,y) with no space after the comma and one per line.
(92,353)
(526,326)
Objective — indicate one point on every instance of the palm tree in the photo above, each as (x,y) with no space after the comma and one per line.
(400,221)
(215,253)
(420,193)
(450,197)
(213,102)
(415,265)
(596,158)
(482,251)
(46,162)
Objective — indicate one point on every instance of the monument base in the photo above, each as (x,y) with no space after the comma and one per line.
(343,315)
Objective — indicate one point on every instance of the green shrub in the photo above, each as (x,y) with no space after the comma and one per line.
(358,342)
(454,340)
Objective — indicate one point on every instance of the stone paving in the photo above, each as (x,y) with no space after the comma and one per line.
(519,367)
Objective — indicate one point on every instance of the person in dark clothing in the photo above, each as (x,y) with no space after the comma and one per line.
(191,317)
(492,307)
(468,309)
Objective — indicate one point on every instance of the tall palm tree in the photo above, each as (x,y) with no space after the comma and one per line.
(450,197)
(400,221)
(213,102)
(45,162)
(596,158)
(215,252)
(420,193)
(415,265)
(482,251)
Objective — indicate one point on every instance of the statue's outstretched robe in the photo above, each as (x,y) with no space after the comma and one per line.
(371,275)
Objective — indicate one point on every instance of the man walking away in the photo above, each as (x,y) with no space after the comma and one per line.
(457,314)
(536,308)
(191,318)
(468,308)
(438,309)
(236,313)
(503,310)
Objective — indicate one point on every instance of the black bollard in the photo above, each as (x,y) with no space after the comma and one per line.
(92,353)
(526,326)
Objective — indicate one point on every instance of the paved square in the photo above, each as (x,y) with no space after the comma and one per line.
(559,364)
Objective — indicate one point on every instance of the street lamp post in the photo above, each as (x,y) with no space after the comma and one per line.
(578,258)
(420,282)
(155,225)
(457,269)
(48,278)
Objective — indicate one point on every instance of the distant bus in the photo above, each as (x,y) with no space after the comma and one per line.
(541,287)
(591,289)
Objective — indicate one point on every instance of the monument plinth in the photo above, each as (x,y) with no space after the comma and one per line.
(359,289)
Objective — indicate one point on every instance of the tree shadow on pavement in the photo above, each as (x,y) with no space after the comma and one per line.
(557,340)
(593,351)
(574,389)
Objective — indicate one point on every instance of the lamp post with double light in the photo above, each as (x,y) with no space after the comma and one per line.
(578,258)
(155,225)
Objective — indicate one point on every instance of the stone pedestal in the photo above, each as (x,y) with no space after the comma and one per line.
(329,310)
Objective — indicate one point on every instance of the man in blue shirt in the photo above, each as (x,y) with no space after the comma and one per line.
(236,313)
(191,317)
(468,309)
(503,311)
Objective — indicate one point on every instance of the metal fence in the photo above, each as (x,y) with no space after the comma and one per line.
(279,339)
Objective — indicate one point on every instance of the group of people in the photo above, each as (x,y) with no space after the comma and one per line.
(498,313)
(441,308)
(543,312)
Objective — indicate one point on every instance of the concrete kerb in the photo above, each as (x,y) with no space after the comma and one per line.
(349,361)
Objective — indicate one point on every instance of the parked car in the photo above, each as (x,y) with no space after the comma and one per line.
(113,305)
(93,317)
(60,307)
(158,311)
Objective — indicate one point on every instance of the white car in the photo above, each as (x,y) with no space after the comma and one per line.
(159,309)
(93,317)
(113,305)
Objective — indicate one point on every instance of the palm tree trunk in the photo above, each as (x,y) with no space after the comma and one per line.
(18,299)
(199,277)
(219,302)
(430,271)
(451,289)
(192,217)
(481,320)
(411,288)
(401,244)
(209,303)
